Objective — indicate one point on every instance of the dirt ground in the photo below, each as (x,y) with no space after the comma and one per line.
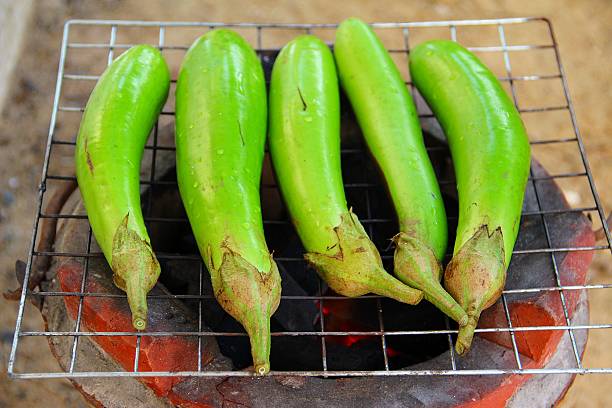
(583,31)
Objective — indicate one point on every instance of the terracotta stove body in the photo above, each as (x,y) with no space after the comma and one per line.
(357,352)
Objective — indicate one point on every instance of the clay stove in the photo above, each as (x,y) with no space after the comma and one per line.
(327,350)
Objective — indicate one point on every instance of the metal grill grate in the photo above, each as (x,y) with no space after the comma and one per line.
(500,45)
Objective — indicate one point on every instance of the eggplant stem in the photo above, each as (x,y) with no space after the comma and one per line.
(381,283)
(437,296)
(258,330)
(137,298)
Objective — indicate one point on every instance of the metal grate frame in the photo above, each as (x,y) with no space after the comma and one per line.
(406,30)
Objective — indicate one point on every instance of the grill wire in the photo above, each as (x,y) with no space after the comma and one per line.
(406,29)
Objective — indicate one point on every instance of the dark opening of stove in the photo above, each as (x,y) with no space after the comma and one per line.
(299,346)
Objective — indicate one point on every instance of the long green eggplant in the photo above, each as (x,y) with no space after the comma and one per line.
(390,124)
(118,118)
(305,149)
(221,114)
(490,151)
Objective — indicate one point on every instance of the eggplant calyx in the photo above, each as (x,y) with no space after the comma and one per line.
(135,270)
(475,278)
(356,269)
(251,297)
(416,265)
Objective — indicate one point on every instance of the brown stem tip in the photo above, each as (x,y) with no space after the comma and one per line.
(466,334)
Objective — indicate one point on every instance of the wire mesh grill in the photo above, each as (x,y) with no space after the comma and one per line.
(503,39)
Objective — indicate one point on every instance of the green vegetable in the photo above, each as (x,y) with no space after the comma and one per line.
(220,136)
(305,149)
(386,113)
(119,115)
(490,151)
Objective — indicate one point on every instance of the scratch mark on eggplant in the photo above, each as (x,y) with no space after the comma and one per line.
(304,105)
(88,157)
(240,132)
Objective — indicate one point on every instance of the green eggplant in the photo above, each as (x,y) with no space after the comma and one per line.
(221,118)
(122,109)
(490,151)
